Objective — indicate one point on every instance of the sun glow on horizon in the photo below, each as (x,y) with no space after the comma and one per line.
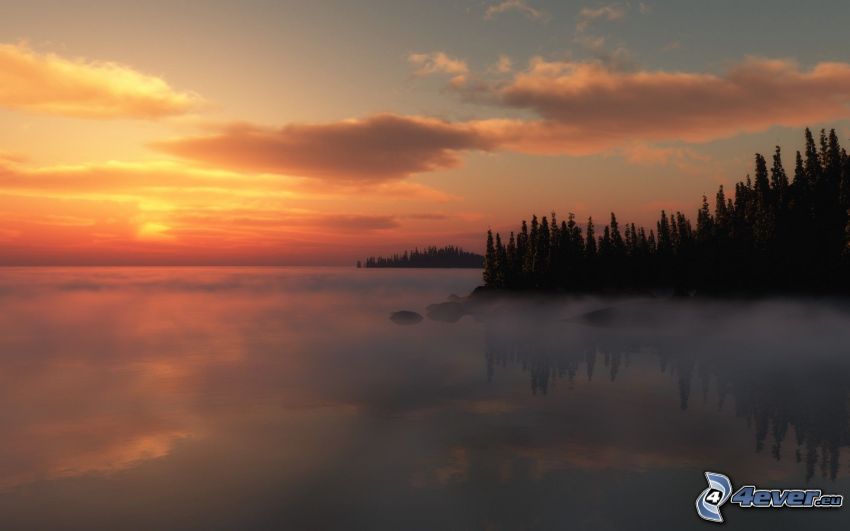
(134,150)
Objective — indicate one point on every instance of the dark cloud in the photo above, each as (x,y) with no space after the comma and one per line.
(379,148)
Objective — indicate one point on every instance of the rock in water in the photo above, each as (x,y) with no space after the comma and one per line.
(405,317)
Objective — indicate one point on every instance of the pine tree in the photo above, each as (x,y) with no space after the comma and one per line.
(799,172)
(590,249)
(501,263)
(705,224)
(490,261)
(629,239)
(531,252)
(605,247)
(721,212)
(762,185)
(778,178)
(576,238)
(813,168)
(844,188)
(618,246)
(554,258)
(511,257)
(541,255)
(665,241)
(833,157)
(522,250)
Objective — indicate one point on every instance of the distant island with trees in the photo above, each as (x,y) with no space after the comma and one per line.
(775,234)
(432,257)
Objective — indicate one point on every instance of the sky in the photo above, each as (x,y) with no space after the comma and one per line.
(296,132)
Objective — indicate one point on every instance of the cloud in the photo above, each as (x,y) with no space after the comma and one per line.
(439,63)
(428,216)
(587,15)
(587,107)
(515,5)
(579,108)
(618,58)
(147,179)
(503,66)
(48,83)
(404,190)
(592,43)
(168,186)
(686,160)
(354,222)
(648,155)
(378,148)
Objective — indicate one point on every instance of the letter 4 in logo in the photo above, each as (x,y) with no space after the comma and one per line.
(719,491)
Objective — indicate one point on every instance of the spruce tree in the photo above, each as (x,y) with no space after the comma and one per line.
(511,257)
(665,240)
(778,178)
(490,261)
(541,255)
(762,184)
(813,168)
(705,224)
(554,258)
(721,212)
(618,246)
(522,250)
(531,252)
(576,238)
(590,249)
(501,263)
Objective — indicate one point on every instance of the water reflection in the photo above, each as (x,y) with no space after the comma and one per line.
(285,398)
(784,364)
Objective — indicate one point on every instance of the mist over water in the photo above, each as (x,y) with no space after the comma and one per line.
(286,398)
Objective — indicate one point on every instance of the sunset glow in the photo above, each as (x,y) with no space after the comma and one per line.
(114,151)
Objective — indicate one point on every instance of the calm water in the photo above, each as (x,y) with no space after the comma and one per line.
(220,398)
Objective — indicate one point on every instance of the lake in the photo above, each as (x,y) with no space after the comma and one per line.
(285,398)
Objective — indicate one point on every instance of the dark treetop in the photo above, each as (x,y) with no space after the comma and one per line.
(448,256)
(779,232)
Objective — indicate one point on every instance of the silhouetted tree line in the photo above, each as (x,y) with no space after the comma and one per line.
(780,230)
(448,256)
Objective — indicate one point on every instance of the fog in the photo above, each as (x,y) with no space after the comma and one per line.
(258,398)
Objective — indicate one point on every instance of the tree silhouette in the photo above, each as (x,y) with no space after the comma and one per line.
(448,256)
(770,236)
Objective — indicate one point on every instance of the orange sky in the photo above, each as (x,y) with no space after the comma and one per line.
(215,140)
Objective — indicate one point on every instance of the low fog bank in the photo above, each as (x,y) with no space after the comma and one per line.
(21,281)
(796,326)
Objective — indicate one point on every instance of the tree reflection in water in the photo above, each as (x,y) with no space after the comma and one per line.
(791,396)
